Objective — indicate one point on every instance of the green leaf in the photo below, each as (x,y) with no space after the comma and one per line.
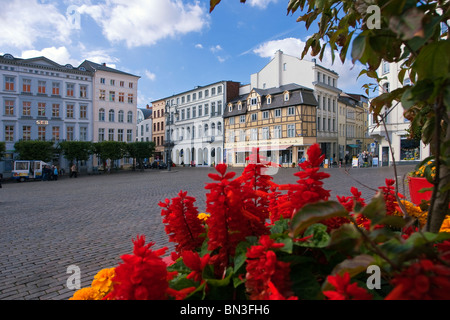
(314,213)
(432,61)
(358,47)
(320,238)
(345,239)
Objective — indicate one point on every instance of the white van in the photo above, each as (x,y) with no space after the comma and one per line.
(28,169)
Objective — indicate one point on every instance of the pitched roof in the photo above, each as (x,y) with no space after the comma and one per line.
(92,66)
(299,95)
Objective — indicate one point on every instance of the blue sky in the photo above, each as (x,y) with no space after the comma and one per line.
(173,45)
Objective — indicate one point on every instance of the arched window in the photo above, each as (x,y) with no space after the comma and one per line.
(206,129)
(120,116)
(130,117)
(219,127)
(101,114)
(111,115)
(213,129)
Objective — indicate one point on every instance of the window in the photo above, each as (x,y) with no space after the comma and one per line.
(9,133)
(102,80)
(26,133)
(291,111)
(386,86)
(219,127)
(254,116)
(130,98)
(121,97)
(9,83)
(55,110)
(265,115)
(284,66)
(69,133)
(26,85)
(111,134)
(206,130)
(130,117)
(242,135)
(111,115)
(83,112)
(385,67)
(194,112)
(206,93)
(219,89)
(242,119)
(277,132)
(200,95)
(254,134)
(101,134)
(69,111)
(9,107)
(26,108)
(130,135)
(55,88)
(69,89)
(254,101)
(120,116)
(83,91)
(219,107)
(120,135)
(83,134)
(277,113)
(200,110)
(265,133)
(112,82)
(130,85)
(231,121)
(41,87)
(269,100)
(102,95)
(55,133)
(206,110)
(122,83)
(213,91)
(112,96)
(41,133)
(41,109)
(291,130)
(101,114)
(286,96)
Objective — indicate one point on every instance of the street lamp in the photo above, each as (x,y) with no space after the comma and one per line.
(169,143)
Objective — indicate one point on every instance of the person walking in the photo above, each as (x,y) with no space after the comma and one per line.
(73,171)
(55,173)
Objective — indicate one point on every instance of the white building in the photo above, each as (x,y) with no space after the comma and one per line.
(194,124)
(144,124)
(285,69)
(404,149)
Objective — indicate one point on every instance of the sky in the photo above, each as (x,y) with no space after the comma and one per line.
(173,45)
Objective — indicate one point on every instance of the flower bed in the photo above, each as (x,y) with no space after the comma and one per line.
(259,240)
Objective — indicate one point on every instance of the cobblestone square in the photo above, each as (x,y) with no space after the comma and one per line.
(89,221)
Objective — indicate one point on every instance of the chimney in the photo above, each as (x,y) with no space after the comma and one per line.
(148,107)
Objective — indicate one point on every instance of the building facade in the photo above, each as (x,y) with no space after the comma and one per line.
(403,149)
(158,119)
(353,125)
(144,124)
(280,121)
(42,100)
(114,106)
(194,124)
(285,69)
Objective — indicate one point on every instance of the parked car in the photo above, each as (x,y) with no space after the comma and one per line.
(162,165)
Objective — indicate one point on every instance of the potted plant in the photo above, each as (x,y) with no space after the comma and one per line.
(420,187)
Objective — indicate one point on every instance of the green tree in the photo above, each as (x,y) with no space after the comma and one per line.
(404,31)
(112,150)
(76,150)
(34,150)
(140,150)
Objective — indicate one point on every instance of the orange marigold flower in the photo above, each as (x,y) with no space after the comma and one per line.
(86,294)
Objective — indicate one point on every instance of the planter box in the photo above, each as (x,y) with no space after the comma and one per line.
(415,185)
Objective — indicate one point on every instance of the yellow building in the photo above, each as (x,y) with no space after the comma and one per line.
(280,121)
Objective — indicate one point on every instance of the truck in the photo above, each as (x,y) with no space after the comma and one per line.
(25,170)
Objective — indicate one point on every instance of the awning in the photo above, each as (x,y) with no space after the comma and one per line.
(261,148)
(353,145)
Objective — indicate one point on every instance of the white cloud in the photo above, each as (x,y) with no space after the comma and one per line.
(150,75)
(60,55)
(101,56)
(216,48)
(261,3)
(143,22)
(23,22)
(348,72)
(199,46)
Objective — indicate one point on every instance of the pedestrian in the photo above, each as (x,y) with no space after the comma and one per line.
(55,173)
(1,178)
(347,157)
(73,171)
(360,160)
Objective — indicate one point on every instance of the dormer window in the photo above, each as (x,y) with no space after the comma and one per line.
(230,107)
(286,96)
(269,99)
(239,105)
(254,101)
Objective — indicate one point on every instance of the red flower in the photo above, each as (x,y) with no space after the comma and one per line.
(142,275)
(424,280)
(389,195)
(266,277)
(193,261)
(309,188)
(232,218)
(182,224)
(344,290)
